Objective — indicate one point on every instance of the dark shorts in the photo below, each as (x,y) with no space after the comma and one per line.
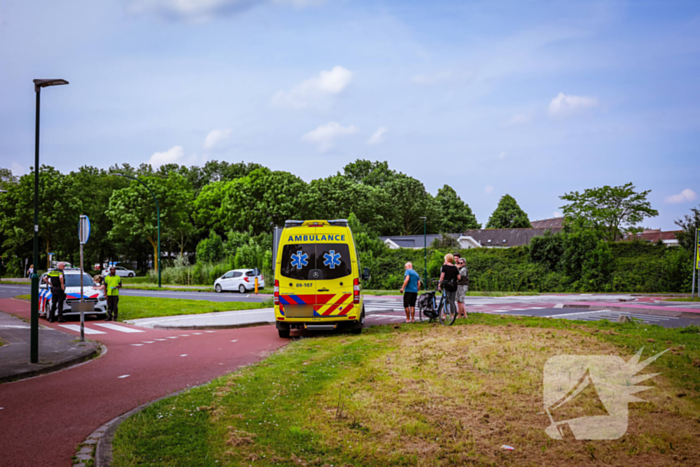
(409,299)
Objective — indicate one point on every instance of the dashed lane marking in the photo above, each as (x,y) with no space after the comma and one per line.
(183,355)
(209,331)
(197,333)
(172,337)
(161,340)
(76,328)
(148,342)
(235,340)
(184,335)
(137,345)
(123,376)
(116,327)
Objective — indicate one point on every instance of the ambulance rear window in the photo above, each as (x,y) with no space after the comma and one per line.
(331,259)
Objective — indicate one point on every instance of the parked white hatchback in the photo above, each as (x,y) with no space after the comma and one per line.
(242,280)
(120,271)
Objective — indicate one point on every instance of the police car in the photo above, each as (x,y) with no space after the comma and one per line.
(72,281)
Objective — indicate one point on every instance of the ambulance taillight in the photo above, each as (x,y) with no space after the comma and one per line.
(277,292)
(356,291)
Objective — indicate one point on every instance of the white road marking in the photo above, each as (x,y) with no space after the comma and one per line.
(210,331)
(116,327)
(575,314)
(148,342)
(183,355)
(76,328)
(235,340)
(161,340)
(558,305)
(184,335)
(137,345)
(123,376)
(14,326)
(172,337)
(197,333)
(537,308)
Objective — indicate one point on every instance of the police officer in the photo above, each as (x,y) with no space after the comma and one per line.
(113,283)
(56,279)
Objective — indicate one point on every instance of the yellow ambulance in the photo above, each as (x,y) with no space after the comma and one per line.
(317,278)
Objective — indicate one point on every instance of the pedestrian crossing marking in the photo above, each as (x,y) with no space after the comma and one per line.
(76,328)
(116,327)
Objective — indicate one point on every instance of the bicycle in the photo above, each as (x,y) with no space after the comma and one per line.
(428,305)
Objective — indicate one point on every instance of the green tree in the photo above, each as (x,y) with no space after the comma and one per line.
(508,215)
(376,174)
(457,216)
(411,202)
(211,249)
(7,179)
(133,211)
(261,198)
(608,209)
(689,225)
(547,250)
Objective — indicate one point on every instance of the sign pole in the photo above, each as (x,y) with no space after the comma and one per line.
(84,235)
(696,262)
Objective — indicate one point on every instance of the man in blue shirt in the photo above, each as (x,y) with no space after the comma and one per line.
(409,289)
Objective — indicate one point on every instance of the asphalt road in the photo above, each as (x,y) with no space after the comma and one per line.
(586,315)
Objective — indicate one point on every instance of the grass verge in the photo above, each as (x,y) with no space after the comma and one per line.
(422,395)
(153,307)
(688,299)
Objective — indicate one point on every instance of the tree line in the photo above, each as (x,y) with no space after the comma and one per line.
(218,197)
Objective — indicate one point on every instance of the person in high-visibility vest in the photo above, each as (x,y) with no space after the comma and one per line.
(56,279)
(114,283)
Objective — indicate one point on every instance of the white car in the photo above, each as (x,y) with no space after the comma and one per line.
(242,280)
(72,281)
(120,271)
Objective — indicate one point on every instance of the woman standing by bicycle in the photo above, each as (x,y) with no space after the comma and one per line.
(449,276)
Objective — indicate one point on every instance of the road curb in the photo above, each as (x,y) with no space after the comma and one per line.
(52,368)
(212,326)
(644,311)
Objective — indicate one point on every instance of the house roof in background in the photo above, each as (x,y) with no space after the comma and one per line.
(653,235)
(414,241)
(506,237)
(554,222)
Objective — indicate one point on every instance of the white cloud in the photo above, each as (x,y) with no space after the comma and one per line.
(378,136)
(324,136)
(215,137)
(557,214)
(682,197)
(502,155)
(204,10)
(17,169)
(563,105)
(174,155)
(315,91)
(488,189)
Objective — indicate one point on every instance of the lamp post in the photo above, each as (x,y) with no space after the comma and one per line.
(157,215)
(34,324)
(425,254)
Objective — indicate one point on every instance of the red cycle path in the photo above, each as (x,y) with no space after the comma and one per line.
(43,419)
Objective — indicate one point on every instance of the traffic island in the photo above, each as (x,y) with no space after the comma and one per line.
(57,350)
(423,394)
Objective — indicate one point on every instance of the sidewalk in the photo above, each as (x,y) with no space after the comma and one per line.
(56,350)
(218,320)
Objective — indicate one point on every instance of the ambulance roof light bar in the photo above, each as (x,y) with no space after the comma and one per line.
(336,222)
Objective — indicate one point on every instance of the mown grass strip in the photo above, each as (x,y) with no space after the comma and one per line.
(422,395)
(152,307)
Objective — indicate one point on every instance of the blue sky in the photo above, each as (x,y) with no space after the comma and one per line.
(531,98)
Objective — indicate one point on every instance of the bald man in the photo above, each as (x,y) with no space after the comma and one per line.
(409,289)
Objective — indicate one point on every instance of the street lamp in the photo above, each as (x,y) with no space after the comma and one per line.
(34,325)
(157,215)
(425,254)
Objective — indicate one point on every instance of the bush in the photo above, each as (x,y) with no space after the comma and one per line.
(210,250)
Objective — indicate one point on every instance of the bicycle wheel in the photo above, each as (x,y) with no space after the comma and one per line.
(446,313)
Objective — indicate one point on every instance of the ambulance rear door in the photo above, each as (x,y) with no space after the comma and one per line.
(297,264)
(334,288)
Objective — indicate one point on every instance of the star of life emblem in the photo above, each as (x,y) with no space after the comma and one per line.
(299,260)
(331,259)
